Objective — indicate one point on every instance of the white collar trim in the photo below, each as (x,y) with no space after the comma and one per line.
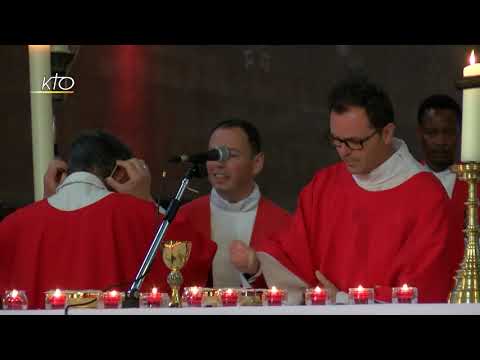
(394,171)
(244,205)
(78,190)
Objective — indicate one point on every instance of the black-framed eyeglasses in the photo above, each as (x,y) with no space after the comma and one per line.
(351,143)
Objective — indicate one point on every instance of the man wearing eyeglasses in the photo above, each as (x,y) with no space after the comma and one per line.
(375,219)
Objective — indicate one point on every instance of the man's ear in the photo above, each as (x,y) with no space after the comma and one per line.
(388,133)
(258,162)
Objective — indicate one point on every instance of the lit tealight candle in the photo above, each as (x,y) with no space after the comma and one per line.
(57,299)
(194,296)
(471,115)
(317,296)
(154,298)
(229,297)
(112,299)
(274,297)
(15,300)
(404,295)
(360,295)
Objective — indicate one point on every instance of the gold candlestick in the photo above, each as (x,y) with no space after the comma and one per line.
(466,288)
(175,255)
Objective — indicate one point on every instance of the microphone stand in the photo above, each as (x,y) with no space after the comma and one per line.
(132,295)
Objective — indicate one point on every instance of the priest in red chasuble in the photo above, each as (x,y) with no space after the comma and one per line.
(375,219)
(84,235)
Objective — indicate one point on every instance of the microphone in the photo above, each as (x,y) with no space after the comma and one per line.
(220,153)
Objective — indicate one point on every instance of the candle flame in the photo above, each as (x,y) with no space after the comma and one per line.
(154,291)
(195,290)
(113,293)
(318,289)
(274,289)
(14,293)
(472,58)
(57,293)
(360,288)
(405,287)
(229,291)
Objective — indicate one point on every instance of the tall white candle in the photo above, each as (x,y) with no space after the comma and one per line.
(42,115)
(473,69)
(471,116)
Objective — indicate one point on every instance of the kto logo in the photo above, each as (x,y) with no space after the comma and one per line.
(56,85)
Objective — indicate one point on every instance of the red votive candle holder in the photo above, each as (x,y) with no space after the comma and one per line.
(15,300)
(404,295)
(192,296)
(361,295)
(112,299)
(229,297)
(55,299)
(317,296)
(153,299)
(274,297)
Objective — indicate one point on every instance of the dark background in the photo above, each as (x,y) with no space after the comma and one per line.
(163,99)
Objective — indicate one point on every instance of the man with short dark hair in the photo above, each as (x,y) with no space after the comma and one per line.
(439,122)
(374,219)
(234,216)
(86,235)
(439,118)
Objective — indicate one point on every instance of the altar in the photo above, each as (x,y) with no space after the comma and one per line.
(374,309)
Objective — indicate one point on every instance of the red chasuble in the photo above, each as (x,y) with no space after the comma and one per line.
(195,218)
(94,247)
(377,239)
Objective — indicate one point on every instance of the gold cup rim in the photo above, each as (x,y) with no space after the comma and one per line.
(171,244)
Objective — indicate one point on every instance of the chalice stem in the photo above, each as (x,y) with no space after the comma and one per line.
(175,302)
(175,279)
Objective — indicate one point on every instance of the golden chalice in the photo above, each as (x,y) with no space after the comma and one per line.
(175,255)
